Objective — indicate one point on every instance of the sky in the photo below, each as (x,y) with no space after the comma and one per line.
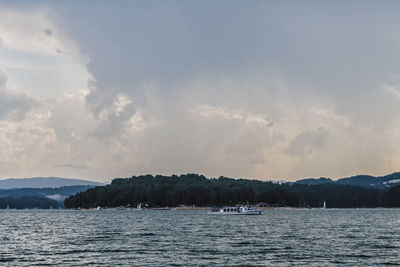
(279,90)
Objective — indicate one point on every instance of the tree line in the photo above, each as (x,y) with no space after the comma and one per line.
(28,202)
(189,189)
(195,189)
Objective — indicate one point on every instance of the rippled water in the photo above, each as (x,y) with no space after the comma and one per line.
(157,238)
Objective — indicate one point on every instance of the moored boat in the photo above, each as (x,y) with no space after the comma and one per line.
(243,210)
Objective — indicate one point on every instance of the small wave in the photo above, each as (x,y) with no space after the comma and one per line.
(7,259)
(146,234)
(74,251)
(208,251)
(383,237)
(391,263)
(241,244)
(358,256)
(385,246)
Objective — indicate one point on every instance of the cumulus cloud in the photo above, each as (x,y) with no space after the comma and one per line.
(258,90)
(14,105)
(209,111)
(392,90)
(31,46)
(306,143)
(113,117)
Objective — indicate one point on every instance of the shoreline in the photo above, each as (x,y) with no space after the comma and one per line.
(209,207)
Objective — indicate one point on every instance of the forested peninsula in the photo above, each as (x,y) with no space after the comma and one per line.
(197,190)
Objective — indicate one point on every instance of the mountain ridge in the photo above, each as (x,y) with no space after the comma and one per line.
(378,182)
(44,182)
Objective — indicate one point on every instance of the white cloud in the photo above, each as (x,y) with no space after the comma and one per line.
(14,105)
(209,111)
(260,120)
(306,143)
(330,115)
(395,91)
(244,93)
(40,64)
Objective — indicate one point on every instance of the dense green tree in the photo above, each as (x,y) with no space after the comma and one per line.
(194,189)
(189,189)
(392,197)
(28,202)
(337,195)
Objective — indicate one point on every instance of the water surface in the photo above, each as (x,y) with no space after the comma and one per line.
(367,237)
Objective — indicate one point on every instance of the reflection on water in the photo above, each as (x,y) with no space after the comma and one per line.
(366,237)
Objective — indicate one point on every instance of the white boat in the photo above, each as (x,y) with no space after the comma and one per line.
(244,210)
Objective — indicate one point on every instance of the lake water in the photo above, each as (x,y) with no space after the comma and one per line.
(367,237)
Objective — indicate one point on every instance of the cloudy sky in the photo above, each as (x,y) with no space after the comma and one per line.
(254,89)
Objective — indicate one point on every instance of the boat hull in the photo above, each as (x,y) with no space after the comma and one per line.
(258,212)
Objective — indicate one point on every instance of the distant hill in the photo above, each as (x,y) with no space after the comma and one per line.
(43,182)
(367,181)
(43,198)
(313,181)
(29,202)
(57,194)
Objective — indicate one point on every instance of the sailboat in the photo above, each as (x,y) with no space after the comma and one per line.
(139,206)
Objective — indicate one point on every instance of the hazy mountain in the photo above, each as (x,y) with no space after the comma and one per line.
(379,182)
(43,182)
(43,198)
(58,194)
